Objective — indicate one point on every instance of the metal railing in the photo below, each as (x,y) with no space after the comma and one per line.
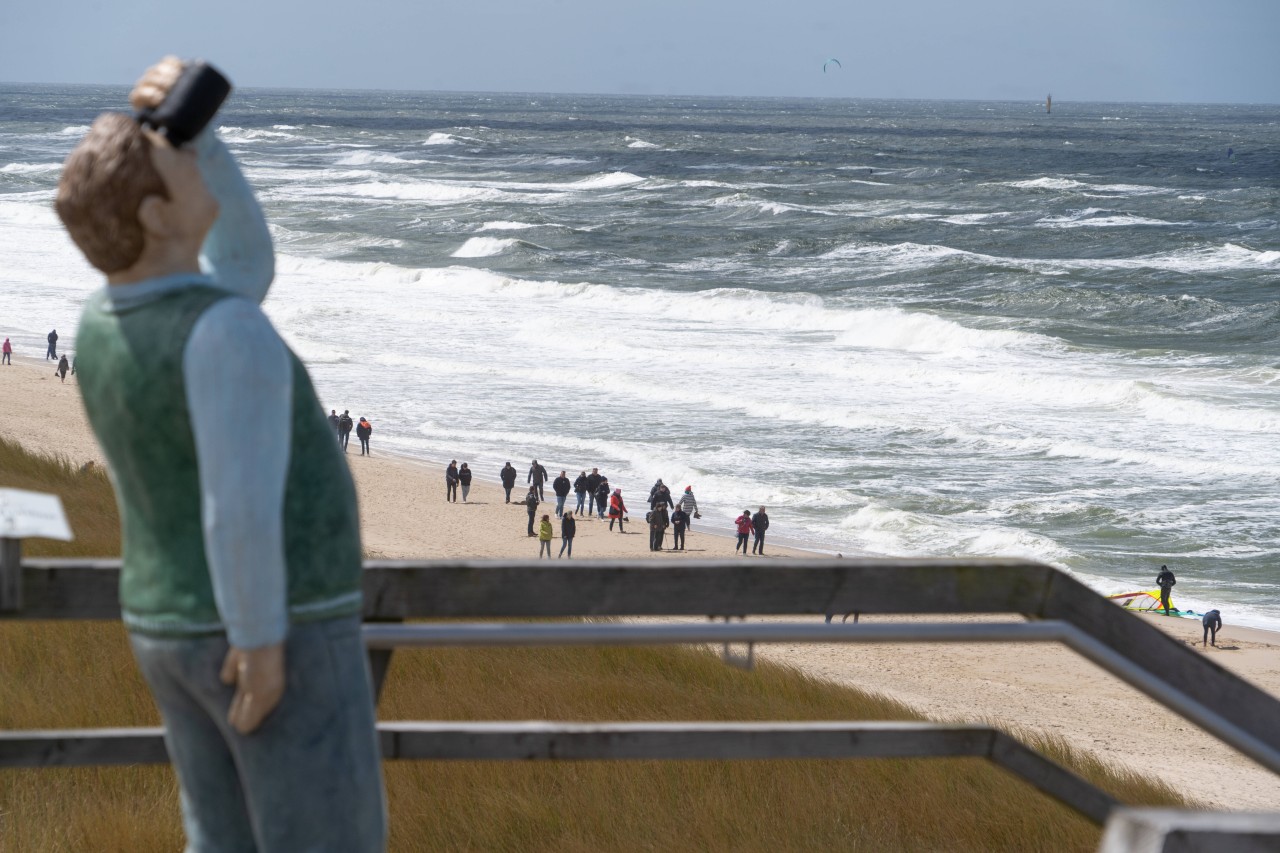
(1060,610)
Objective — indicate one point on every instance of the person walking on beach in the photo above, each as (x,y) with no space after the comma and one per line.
(602,497)
(1165,580)
(679,521)
(364,429)
(689,504)
(538,476)
(659,520)
(593,483)
(561,487)
(344,429)
(743,523)
(568,529)
(544,537)
(451,482)
(759,524)
(580,491)
(617,510)
(659,494)
(464,479)
(531,504)
(52,354)
(63,366)
(1212,623)
(508,475)
(333,425)
(7,353)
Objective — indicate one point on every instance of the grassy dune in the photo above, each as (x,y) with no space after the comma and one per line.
(55,675)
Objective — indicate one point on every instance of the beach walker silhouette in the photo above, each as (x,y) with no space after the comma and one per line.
(240,580)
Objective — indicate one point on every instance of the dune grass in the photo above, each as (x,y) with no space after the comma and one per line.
(81,674)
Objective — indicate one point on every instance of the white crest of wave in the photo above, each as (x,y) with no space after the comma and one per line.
(1070,184)
(441,139)
(606,180)
(640,143)
(505,225)
(484,247)
(884,530)
(29,168)
(238,135)
(368,158)
(74,130)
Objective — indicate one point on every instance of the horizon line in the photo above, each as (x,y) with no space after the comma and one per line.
(638,95)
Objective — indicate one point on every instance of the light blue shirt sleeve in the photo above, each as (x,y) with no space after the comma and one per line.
(239,382)
(237,253)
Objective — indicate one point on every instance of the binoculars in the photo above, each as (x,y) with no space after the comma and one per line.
(190,105)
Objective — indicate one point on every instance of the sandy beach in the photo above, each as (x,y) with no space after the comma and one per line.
(1034,687)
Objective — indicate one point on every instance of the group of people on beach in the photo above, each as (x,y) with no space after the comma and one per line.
(63,365)
(342,426)
(596,498)
(1211,621)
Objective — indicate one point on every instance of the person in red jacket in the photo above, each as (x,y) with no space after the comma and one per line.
(743,523)
(617,510)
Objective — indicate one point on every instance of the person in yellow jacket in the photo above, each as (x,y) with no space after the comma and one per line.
(544,537)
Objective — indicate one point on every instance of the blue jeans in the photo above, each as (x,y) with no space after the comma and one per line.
(566,544)
(308,779)
(560,499)
(582,501)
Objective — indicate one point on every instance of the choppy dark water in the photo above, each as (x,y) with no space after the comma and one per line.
(906,327)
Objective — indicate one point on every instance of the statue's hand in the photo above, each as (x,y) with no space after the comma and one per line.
(154,84)
(258,676)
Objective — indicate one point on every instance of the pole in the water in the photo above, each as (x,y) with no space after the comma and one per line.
(1048,104)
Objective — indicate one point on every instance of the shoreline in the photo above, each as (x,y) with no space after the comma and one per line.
(1033,687)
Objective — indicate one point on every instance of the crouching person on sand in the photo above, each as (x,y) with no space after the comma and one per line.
(240,582)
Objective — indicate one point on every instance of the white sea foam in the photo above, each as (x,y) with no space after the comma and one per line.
(74,130)
(441,139)
(640,143)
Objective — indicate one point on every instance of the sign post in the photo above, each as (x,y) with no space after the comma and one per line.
(22,515)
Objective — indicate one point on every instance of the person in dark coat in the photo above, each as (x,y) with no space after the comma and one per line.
(659,521)
(364,430)
(679,521)
(561,487)
(602,497)
(531,504)
(593,485)
(538,476)
(1165,580)
(333,424)
(580,491)
(1212,622)
(759,524)
(660,494)
(568,529)
(63,366)
(508,475)
(52,354)
(451,481)
(345,425)
(464,479)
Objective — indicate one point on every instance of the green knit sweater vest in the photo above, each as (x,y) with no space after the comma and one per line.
(134,391)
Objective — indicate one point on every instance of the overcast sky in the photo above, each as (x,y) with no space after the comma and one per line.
(1082,50)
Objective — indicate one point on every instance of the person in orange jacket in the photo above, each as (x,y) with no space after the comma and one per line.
(364,429)
(617,510)
(743,523)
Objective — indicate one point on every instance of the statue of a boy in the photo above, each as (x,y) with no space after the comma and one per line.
(241,577)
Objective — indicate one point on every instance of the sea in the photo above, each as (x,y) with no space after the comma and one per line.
(908,328)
